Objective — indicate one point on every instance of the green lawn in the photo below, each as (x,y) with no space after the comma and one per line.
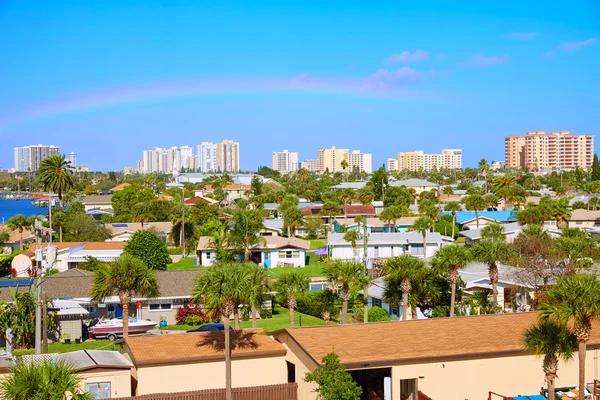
(183,264)
(280,320)
(65,348)
(317,243)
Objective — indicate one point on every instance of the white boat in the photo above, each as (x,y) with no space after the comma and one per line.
(113,328)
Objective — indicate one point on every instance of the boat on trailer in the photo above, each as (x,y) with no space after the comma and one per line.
(113,328)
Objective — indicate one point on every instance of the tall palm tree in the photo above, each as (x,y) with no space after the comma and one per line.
(126,276)
(258,286)
(219,290)
(577,298)
(293,219)
(349,276)
(423,225)
(245,232)
(452,258)
(553,341)
(19,223)
(560,211)
(493,232)
(56,175)
(400,272)
(572,249)
(474,202)
(219,241)
(289,285)
(352,236)
(491,252)
(453,207)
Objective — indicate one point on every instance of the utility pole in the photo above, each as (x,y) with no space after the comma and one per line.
(366,305)
(182,222)
(45,323)
(39,255)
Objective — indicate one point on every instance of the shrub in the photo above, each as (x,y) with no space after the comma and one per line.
(265,313)
(315,302)
(190,311)
(6,260)
(378,314)
(148,247)
(194,320)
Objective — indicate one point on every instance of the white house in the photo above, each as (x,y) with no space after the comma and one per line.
(278,251)
(419,185)
(122,232)
(385,245)
(70,254)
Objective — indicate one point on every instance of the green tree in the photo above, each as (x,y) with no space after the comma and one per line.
(572,249)
(45,379)
(575,298)
(219,290)
(333,380)
(451,258)
(79,227)
(256,185)
(258,286)
(19,223)
(453,207)
(493,232)
(352,236)
(124,200)
(492,252)
(474,202)
(423,225)
(379,181)
(399,273)
(245,231)
(553,341)
(149,248)
(292,219)
(288,285)
(349,276)
(313,225)
(56,175)
(330,208)
(126,276)
(596,169)
(560,212)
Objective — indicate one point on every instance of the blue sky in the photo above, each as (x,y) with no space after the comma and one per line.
(108,79)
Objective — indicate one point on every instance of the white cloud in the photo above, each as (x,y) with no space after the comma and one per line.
(407,57)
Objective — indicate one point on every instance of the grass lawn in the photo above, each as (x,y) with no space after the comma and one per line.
(317,243)
(183,264)
(65,348)
(313,269)
(280,320)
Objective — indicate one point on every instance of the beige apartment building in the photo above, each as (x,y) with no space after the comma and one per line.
(558,150)
(331,159)
(228,156)
(311,165)
(413,161)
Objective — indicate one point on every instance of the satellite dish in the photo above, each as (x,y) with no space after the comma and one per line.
(51,254)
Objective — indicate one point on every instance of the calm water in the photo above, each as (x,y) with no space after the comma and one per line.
(10,208)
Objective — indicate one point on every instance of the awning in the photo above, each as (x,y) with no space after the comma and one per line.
(321,252)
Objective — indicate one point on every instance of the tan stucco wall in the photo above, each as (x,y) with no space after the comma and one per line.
(303,365)
(210,375)
(120,380)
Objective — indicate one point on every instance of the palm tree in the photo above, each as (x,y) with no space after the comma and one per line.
(18,223)
(453,207)
(44,379)
(452,258)
(289,285)
(126,276)
(347,196)
(491,252)
(293,218)
(423,225)
(56,175)
(553,341)
(219,289)
(219,241)
(493,232)
(491,200)
(245,232)
(475,202)
(577,298)
(400,272)
(349,276)
(256,289)
(352,236)
(560,211)
(573,249)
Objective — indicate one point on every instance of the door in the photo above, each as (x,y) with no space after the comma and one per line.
(118,311)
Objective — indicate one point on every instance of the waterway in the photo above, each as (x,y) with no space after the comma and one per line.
(10,208)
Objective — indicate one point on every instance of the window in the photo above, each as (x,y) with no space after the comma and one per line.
(98,390)
(289,254)
(376,302)
(160,306)
(291,372)
(408,389)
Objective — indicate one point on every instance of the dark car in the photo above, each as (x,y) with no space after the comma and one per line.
(210,328)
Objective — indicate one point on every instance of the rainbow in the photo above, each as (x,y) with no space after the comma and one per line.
(140,95)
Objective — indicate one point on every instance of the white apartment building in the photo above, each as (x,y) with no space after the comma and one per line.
(228,156)
(73,159)
(207,157)
(413,161)
(285,161)
(392,164)
(361,162)
(165,161)
(29,157)
(311,165)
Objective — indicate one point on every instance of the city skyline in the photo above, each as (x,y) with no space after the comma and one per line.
(402,76)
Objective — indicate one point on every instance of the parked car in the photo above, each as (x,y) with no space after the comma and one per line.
(210,328)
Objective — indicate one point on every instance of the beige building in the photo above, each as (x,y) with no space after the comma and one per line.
(284,161)
(392,164)
(413,161)
(558,150)
(361,162)
(443,358)
(228,156)
(331,159)
(196,361)
(311,165)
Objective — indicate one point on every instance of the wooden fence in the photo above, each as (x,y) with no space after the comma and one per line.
(285,391)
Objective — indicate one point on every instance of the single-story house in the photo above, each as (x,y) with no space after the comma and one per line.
(510,230)
(444,358)
(386,245)
(272,227)
(468,219)
(104,374)
(349,185)
(197,177)
(419,185)
(13,243)
(375,224)
(97,201)
(378,204)
(582,219)
(97,212)
(195,361)
(122,232)
(278,251)
(198,197)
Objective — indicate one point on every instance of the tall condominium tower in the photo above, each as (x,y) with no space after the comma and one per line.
(284,161)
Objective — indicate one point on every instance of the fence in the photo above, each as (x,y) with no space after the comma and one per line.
(285,391)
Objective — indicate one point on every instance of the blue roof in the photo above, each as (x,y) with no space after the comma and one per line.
(15,282)
(498,216)
(532,397)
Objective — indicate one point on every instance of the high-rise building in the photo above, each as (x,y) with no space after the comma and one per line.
(166,161)
(331,159)
(311,165)
(360,162)
(392,164)
(558,150)
(73,159)
(415,160)
(30,157)
(228,156)
(285,161)
(207,157)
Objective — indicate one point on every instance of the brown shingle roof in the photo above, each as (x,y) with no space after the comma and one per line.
(200,347)
(419,339)
(358,210)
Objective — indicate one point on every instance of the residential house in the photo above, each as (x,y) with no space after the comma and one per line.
(386,245)
(98,205)
(272,227)
(122,232)
(583,219)
(375,225)
(277,251)
(195,361)
(349,185)
(199,198)
(443,358)
(120,187)
(419,185)
(14,239)
(378,206)
(468,219)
